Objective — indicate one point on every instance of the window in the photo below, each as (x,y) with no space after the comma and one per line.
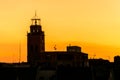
(37,30)
(33,30)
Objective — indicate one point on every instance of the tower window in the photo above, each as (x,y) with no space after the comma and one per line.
(37,30)
(33,30)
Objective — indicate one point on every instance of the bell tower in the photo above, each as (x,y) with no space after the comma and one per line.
(35,41)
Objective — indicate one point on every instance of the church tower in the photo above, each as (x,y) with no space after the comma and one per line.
(35,41)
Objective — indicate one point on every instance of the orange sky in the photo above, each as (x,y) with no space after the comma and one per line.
(92,24)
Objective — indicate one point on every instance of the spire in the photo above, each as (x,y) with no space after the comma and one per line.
(35,13)
(35,20)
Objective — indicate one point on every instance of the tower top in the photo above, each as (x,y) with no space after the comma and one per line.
(35,20)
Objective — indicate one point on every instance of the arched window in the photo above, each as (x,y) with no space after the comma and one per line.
(37,30)
(33,30)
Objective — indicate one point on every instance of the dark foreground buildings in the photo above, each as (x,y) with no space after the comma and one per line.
(71,64)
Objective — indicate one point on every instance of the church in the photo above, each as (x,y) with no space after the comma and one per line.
(36,54)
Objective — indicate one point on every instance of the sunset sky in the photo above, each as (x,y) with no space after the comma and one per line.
(92,24)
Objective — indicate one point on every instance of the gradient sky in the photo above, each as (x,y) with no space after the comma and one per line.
(92,24)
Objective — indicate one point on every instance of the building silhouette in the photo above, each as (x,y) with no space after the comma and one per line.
(72,64)
(35,41)
(36,54)
(117,59)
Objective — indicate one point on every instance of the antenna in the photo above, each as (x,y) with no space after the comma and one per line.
(35,13)
(19,52)
(13,58)
(55,47)
(94,56)
(69,44)
(35,17)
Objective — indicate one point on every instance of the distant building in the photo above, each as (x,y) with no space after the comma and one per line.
(116,68)
(100,69)
(117,59)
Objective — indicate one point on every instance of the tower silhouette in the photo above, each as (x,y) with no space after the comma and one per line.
(35,41)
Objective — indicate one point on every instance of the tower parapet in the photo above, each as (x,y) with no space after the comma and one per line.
(35,20)
(35,26)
